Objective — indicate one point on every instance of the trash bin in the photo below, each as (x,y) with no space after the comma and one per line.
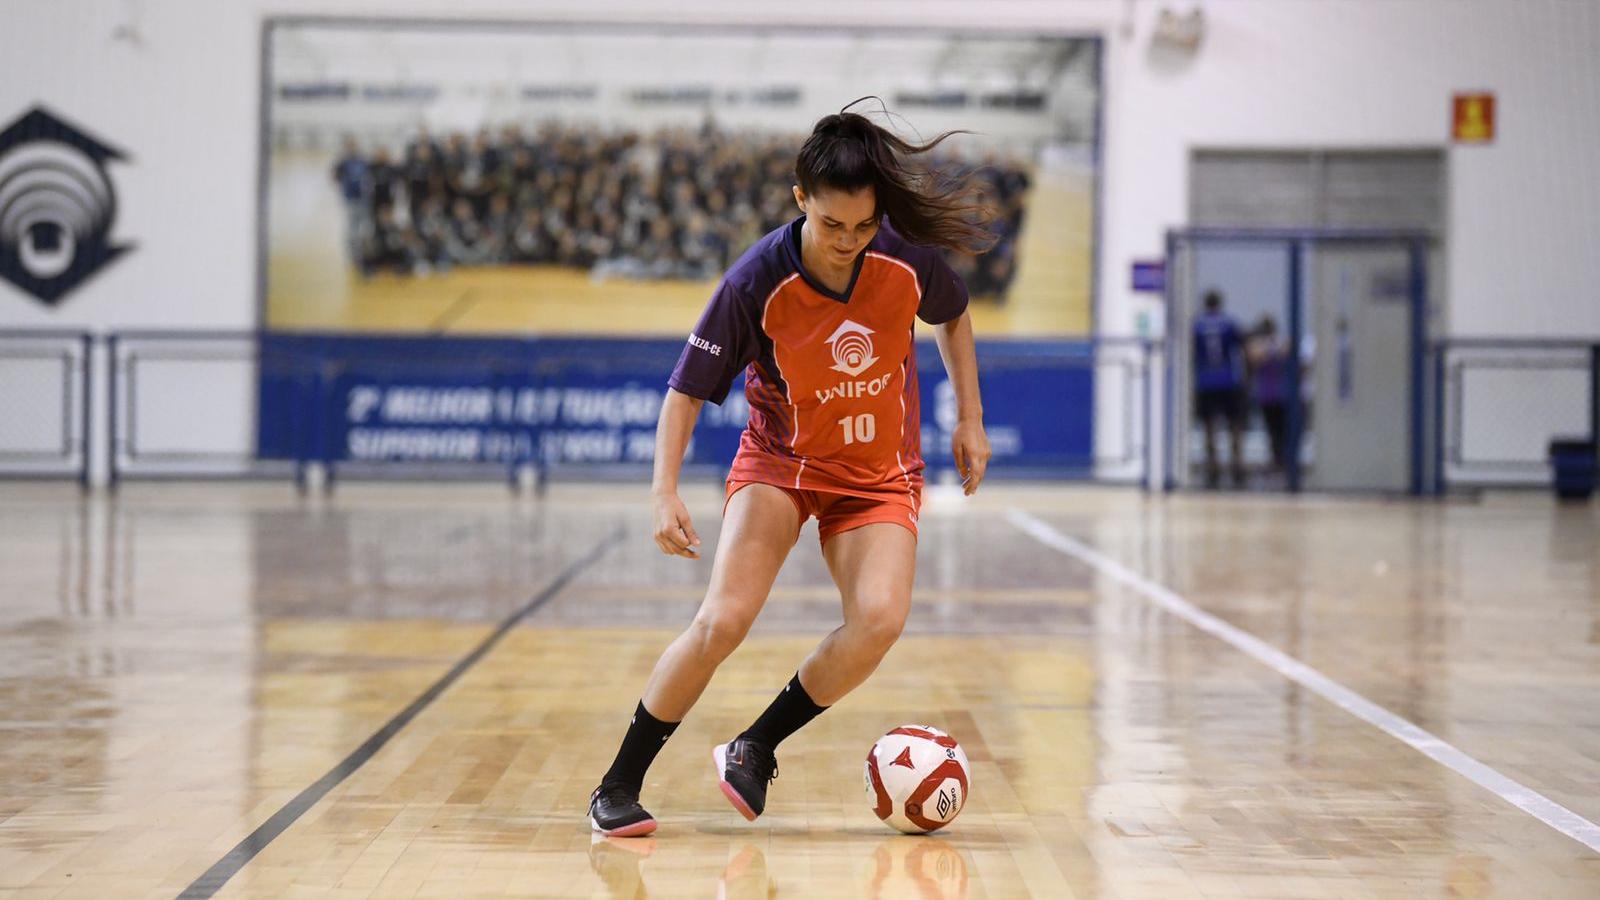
(1573,463)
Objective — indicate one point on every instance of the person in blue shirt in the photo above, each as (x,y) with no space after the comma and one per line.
(1219,385)
(353,175)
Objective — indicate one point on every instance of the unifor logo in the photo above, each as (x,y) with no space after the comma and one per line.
(852,348)
(57,205)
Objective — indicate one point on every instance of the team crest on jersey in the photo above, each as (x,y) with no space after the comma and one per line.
(852,348)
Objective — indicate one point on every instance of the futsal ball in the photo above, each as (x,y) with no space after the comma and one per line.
(917,778)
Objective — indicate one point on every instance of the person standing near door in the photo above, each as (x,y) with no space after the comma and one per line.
(1269,387)
(1219,386)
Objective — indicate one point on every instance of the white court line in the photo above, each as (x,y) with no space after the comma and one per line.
(1519,795)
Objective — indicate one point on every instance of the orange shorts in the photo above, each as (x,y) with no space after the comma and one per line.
(838,513)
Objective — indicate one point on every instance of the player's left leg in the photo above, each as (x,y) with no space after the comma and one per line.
(874,566)
(1238,418)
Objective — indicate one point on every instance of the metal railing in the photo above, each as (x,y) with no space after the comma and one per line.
(244,404)
(1124,374)
(184,404)
(1500,401)
(45,404)
(173,404)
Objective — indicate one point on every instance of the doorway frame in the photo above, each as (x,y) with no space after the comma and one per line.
(1295,241)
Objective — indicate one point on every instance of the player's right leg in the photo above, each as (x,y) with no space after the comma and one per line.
(1213,468)
(1238,418)
(873,560)
(759,528)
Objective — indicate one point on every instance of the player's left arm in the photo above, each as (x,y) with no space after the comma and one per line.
(969,444)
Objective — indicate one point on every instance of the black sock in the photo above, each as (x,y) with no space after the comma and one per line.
(788,713)
(645,738)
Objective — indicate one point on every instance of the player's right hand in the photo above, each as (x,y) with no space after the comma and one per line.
(674,532)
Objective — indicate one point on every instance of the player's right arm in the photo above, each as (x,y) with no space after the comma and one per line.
(674,532)
(720,346)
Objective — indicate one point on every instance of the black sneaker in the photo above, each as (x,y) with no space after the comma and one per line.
(614,811)
(744,769)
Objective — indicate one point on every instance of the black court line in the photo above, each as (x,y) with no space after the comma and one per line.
(453,312)
(246,850)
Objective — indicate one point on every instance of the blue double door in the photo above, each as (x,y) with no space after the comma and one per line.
(1333,327)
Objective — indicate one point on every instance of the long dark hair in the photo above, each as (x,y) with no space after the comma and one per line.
(847,151)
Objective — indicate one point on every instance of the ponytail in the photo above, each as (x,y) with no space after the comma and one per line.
(848,152)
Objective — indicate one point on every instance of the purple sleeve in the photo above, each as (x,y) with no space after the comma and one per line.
(944,294)
(722,344)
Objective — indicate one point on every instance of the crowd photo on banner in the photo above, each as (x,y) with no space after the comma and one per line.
(669,204)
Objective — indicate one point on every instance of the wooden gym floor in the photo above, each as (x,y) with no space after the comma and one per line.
(1196,696)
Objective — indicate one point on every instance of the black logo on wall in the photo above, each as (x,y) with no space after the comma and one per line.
(56,205)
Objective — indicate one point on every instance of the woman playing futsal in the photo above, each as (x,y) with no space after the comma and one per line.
(819,315)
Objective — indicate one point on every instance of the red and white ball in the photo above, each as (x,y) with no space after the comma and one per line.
(917,778)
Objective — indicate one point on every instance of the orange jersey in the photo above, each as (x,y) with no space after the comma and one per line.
(831,378)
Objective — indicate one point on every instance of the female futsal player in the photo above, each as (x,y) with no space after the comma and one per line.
(820,313)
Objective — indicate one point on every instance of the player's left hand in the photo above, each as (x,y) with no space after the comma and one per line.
(970,447)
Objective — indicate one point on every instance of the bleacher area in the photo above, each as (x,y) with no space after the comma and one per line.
(669,204)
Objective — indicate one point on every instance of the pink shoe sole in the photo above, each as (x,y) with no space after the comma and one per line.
(719,757)
(637,829)
(737,801)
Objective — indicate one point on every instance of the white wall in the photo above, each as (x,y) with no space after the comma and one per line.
(1524,216)
(828,69)
(182,106)
(1524,212)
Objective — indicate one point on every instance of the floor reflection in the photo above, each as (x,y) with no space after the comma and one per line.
(917,866)
(177,663)
(924,867)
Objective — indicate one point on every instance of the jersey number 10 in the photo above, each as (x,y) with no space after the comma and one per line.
(861,428)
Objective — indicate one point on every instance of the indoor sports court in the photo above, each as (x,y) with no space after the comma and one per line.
(197,676)
(338,468)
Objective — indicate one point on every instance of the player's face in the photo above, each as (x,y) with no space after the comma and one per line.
(841,223)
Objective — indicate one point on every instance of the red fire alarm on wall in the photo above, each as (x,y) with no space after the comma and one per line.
(1472,119)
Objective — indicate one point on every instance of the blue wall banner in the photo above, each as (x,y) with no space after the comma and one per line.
(595,400)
